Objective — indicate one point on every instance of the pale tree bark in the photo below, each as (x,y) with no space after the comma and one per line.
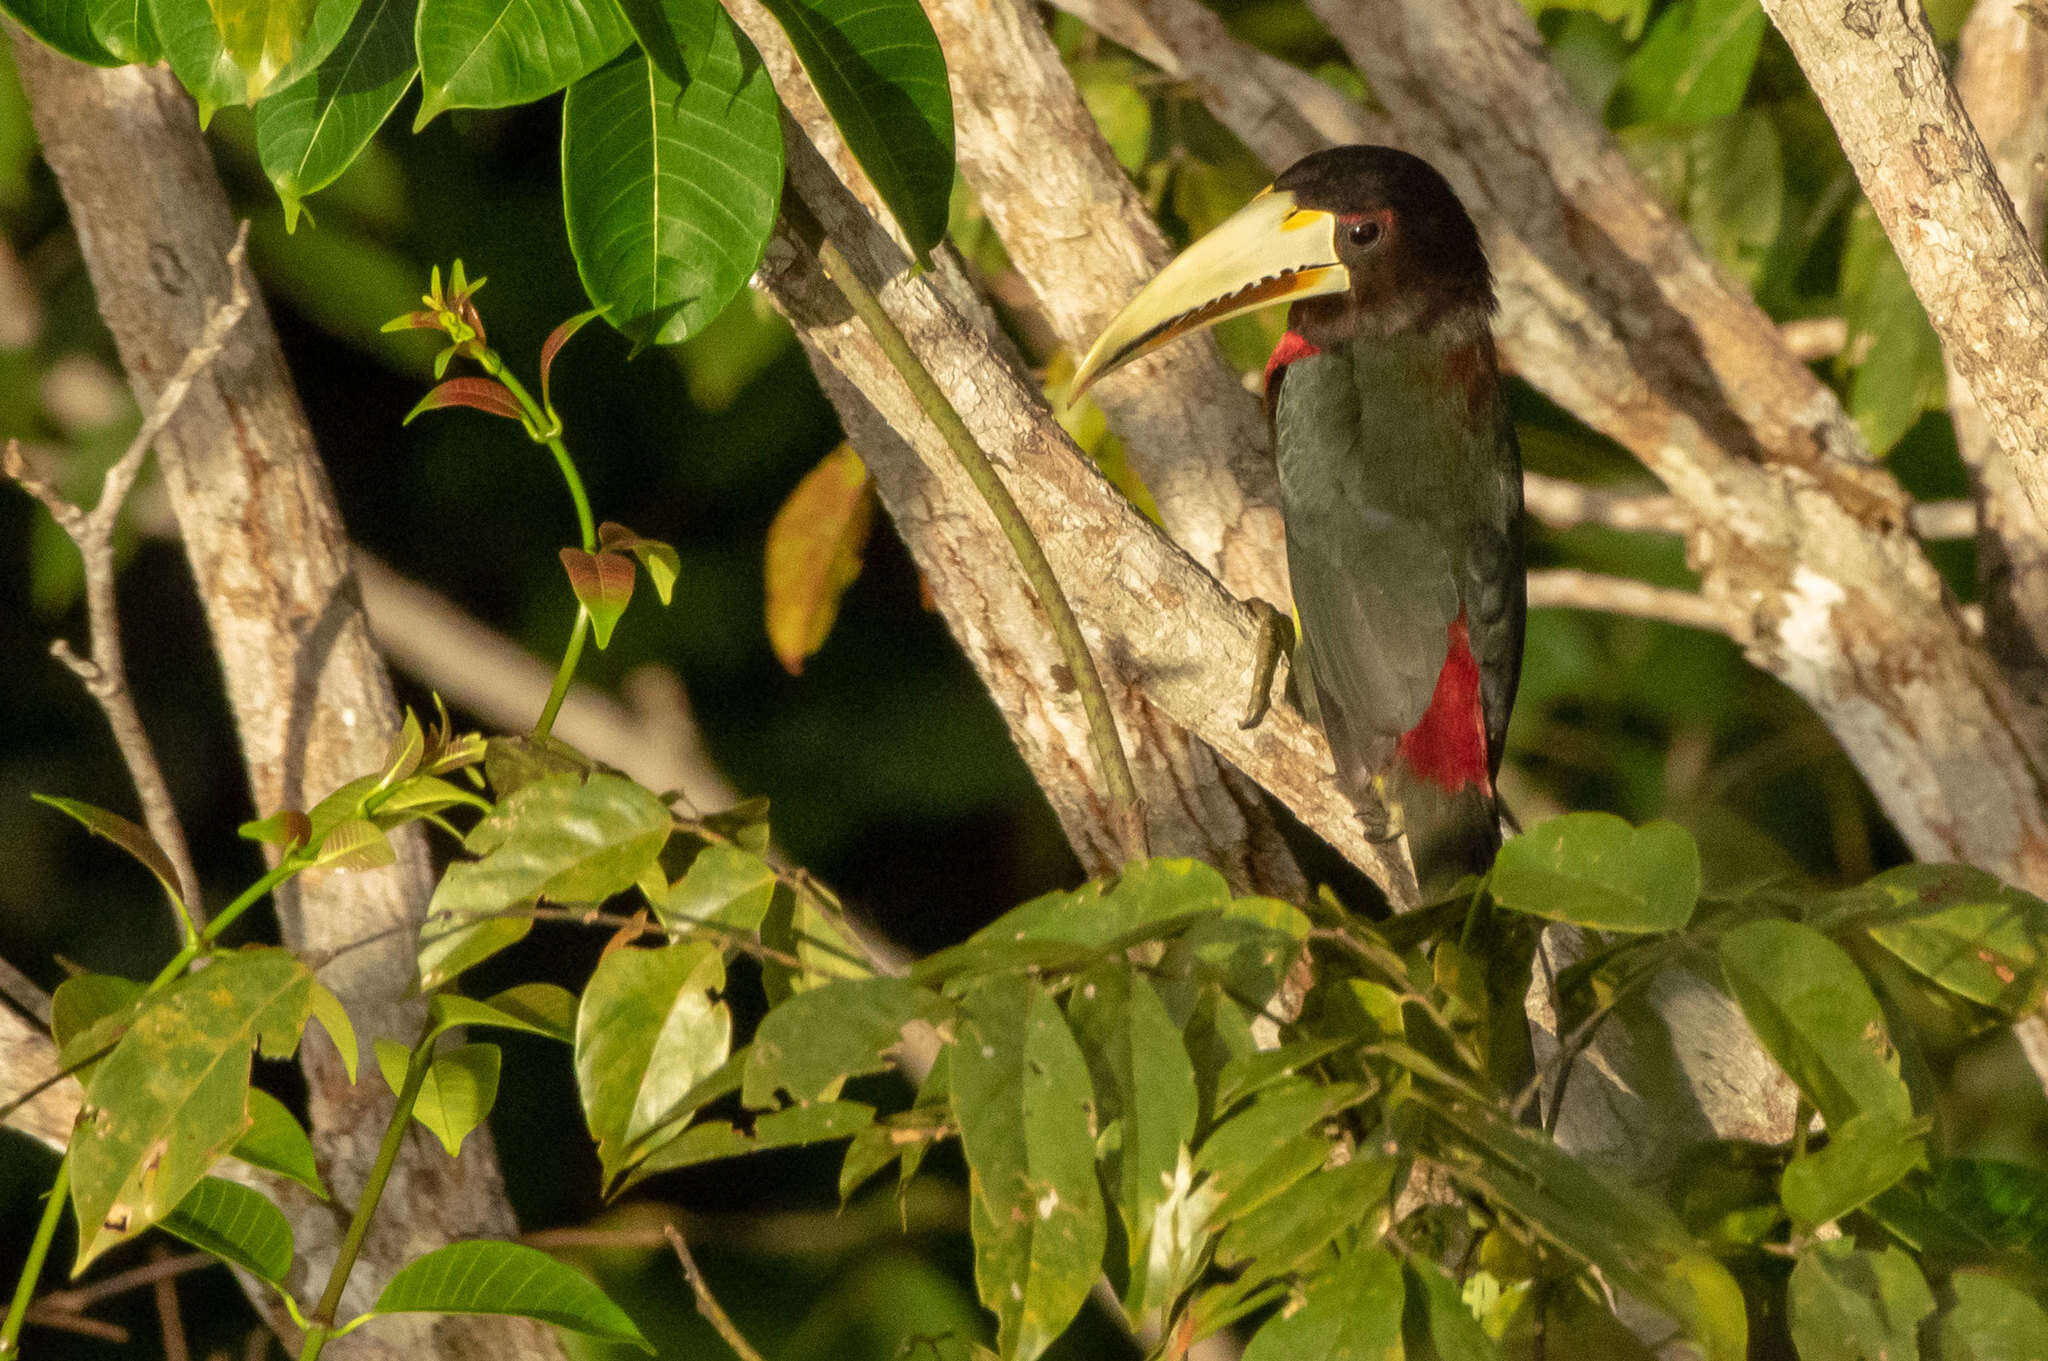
(311,701)
(1879,75)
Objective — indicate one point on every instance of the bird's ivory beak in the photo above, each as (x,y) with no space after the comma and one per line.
(1271,250)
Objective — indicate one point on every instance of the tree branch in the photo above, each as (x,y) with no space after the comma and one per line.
(1567,588)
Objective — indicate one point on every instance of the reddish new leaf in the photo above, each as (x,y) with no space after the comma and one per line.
(662,562)
(485,394)
(128,836)
(287,828)
(604,583)
(557,338)
(814,554)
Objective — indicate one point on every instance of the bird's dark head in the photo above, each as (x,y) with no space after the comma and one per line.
(1364,241)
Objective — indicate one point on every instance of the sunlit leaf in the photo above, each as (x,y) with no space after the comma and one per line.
(1963,930)
(287,829)
(662,562)
(277,1142)
(814,554)
(507,1278)
(1594,870)
(670,191)
(562,838)
(814,1041)
(878,67)
(724,885)
(603,583)
(88,1012)
(648,1030)
(544,1009)
(1862,1158)
(236,52)
(1695,63)
(125,28)
(172,1098)
(356,844)
(1443,1323)
(1850,1305)
(486,54)
(457,1093)
(1815,1014)
(236,1224)
(310,131)
(713,1140)
(1352,1311)
(1021,1095)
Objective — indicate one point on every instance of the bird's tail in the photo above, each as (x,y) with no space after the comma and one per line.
(1451,832)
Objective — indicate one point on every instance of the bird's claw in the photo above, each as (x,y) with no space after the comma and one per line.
(1275,637)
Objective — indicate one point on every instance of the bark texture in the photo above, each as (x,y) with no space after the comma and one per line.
(310,697)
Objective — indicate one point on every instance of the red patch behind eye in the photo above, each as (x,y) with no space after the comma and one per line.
(1448,747)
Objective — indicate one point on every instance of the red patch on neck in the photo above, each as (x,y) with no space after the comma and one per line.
(1473,369)
(1448,747)
(1290,348)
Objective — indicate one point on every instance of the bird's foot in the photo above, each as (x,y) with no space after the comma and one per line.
(1275,637)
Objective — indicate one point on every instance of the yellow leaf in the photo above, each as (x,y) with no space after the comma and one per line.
(814,549)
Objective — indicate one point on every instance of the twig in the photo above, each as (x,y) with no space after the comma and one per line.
(168,1317)
(21,990)
(78,1299)
(1114,768)
(1571,589)
(104,674)
(707,1303)
(78,1323)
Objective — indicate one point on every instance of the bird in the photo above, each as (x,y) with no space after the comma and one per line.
(1400,478)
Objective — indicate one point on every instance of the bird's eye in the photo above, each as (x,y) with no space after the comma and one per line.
(1366,234)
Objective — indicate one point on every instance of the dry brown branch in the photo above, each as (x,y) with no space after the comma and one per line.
(310,699)
(1567,588)
(21,310)
(707,1303)
(105,675)
(1879,76)
(170,1321)
(79,1298)
(18,988)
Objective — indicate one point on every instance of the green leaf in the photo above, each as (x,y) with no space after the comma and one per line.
(487,54)
(129,836)
(1439,1324)
(2004,1204)
(507,1278)
(648,1030)
(1862,1159)
(562,838)
(1992,1320)
(355,844)
(457,1093)
(326,1008)
(125,28)
(237,1225)
(675,34)
(603,583)
(1815,1014)
(65,25)
(717,1139)
(814,1041)
(1849,1305)
(1964,931)
(543,1009)
(234,53)
(287,828)
(1594,870)
(671,190)
(661,560)
(1893,355)
(1272,1143)
(310,131)
(1146,1103)
(1292,1227)
(1353,1311)
(277,1142)
(724,885)
(1695,64)
(1021,1095)
(493,399)
(172,1098)
(878,67)
(88,1012)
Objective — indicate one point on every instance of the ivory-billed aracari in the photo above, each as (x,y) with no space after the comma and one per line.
(1400,480)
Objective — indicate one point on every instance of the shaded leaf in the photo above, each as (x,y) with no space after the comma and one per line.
(1815,1014)
(129,836)
(237,1225)
(310,131)
(670,191)
(1293,1226)
(1893,356)
(675,34)
(878,67)
(457,1093)
(814,554)
(1438,1325)
(1020,1092)
(487,54)
(551,347)
(65,25)
(648,1030)
(1992,1320)
(562,838)
(544,1009)
(326,1008)
(236,53)
(718,1139)
(1594,870)
(1849,1305)
(1353,1311)
(125,28)
(487,395)
(1695,64)
(507,1278)
(276,1141)
(814,1041)
(172,1098)
(88,1012)
(1963,930)
(603,583)
(1861,1160)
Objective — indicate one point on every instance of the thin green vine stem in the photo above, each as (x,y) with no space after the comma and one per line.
(366,1206)
(250,896)
(38,1252)
(538,420)
(1108,747)
(564,673)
